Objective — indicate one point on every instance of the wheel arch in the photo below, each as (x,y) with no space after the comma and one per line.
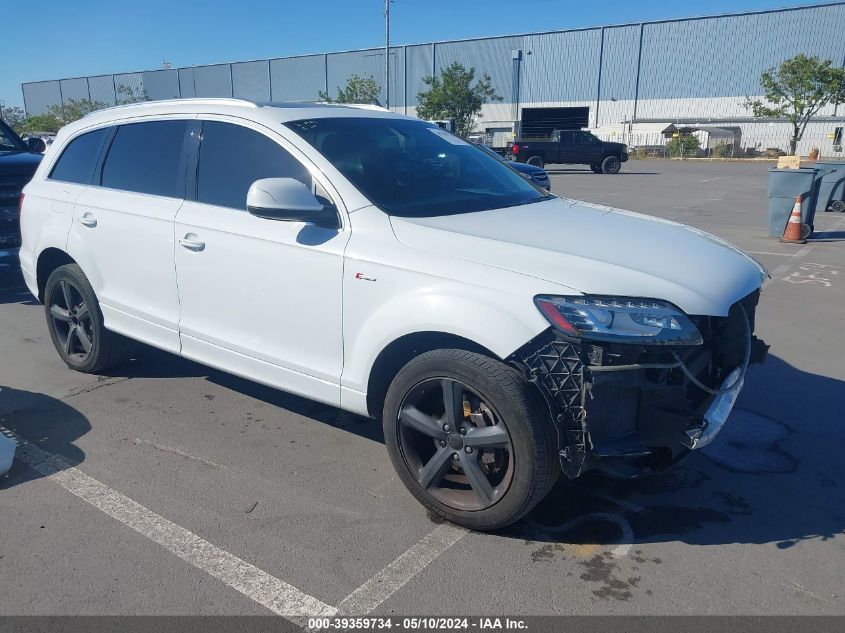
(49,260)
(401,351)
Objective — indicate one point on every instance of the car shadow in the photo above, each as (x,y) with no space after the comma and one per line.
(573,170)
(43,426)
(773,475)
(148,362)
(828,236)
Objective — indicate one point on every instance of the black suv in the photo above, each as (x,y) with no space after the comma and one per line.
(18,161)
(571,147)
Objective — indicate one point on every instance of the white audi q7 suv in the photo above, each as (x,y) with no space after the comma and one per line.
(380,264)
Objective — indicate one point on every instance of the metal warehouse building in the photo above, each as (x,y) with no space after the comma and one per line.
(628,82)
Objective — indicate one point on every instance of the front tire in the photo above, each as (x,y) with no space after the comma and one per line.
(611,165)
(469,438)
(596,169)
(75,322)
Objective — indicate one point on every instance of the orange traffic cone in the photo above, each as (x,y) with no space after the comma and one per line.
(792,232)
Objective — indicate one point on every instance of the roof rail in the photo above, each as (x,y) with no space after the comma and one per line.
(187,101)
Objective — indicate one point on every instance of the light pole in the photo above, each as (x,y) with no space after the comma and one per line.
(387,54)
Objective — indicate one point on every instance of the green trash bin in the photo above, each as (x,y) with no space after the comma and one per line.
(831,193)
(783,187)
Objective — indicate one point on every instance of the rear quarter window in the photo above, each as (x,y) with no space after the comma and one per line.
(148,158)
(77,162)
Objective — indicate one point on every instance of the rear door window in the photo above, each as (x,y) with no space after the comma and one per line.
(232,157)
(77,162)
(148,158)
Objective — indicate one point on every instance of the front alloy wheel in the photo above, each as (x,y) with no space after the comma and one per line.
(470,438)
(458,448)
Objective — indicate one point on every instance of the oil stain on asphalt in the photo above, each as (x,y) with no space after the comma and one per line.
(604,570)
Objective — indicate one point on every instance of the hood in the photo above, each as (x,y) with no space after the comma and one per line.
(19,162)
(595,250)
(525,168)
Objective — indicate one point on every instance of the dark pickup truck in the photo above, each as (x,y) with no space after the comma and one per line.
(18,161)
(571,147)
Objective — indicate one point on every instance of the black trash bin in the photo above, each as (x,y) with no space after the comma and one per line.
(784,186)
(831,193)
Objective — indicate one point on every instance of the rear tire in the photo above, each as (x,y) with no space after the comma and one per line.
(75,322)
(806,231)
(537,161)
(611,165)
(441,467)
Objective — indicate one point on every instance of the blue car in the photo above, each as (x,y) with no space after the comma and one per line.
(536,175)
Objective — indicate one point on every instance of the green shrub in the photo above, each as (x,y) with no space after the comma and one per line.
(684,146)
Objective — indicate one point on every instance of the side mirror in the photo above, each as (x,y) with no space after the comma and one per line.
(36,144)
(288,200)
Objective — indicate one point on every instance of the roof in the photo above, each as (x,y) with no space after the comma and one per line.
(270,113)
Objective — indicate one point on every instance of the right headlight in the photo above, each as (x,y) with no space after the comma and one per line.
(619,319)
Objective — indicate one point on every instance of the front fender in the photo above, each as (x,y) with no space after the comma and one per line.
(496,320)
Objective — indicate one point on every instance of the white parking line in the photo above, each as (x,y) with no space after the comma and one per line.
(256,584)
(802,252)
(393,577)
(771,253)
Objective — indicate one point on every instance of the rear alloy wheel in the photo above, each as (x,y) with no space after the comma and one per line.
(596,168)
(536,161)
(611,165)
(75,323)
(71,322)
(468,438)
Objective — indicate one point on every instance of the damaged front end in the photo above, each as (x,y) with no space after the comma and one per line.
(629,408)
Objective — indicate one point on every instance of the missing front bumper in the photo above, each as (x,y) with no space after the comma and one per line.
(627,410)
(700,435)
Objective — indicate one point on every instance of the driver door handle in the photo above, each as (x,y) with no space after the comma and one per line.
(191,244)
(88,220)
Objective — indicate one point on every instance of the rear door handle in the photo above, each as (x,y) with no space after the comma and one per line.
(191,244)
(88,220)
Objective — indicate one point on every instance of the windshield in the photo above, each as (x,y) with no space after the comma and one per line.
(411,168)
(9,140)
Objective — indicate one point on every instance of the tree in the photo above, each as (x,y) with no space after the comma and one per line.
(686,145)
(358,90)
(14,118)
(797,90)
(127,94)
(41,123)
(453,96)
(74,109)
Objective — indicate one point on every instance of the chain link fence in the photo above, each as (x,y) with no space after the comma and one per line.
(756,140)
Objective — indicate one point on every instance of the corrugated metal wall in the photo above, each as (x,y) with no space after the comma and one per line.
(297,78)
(702,67)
